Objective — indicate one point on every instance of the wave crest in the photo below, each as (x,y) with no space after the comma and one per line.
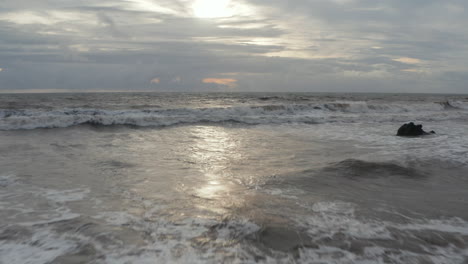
(259,114)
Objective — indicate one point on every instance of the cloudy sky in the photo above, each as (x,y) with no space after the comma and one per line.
(234,45)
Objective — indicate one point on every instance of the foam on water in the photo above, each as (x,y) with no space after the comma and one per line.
(53,230)
(192,240)
(452,225)
(7,180)
(117,198)
(339,111)
(43,247)
(49,205)
(26,232)
(344,238)
(332,226)
(339,235)
(330,218)
(66,195)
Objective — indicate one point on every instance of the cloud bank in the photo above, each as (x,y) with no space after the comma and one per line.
(235,45)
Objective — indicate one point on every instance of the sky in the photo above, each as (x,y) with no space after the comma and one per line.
(414,46)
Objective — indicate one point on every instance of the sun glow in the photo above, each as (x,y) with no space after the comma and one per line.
(212,8)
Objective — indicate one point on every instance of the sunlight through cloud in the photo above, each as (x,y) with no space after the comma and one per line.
(221,81)
(408,60)
(212,8)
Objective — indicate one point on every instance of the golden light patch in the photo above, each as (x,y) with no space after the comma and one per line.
(155,80)
(221,81)
(412,70)
(408,60)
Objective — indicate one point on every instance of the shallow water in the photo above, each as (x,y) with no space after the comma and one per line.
(234,178)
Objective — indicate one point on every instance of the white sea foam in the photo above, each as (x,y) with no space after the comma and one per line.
(345,111)
(48,205)
(173,242)
(453,225)
(337,217)
(43,247)
(7,180)
(330,218)
(117,218)
(176,242)
(35,209)
(62,196)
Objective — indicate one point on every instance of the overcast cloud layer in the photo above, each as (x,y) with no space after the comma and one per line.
(221,45)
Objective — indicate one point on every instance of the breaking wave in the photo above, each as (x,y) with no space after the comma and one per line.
(253,115)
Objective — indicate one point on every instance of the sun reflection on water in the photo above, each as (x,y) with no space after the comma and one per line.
(214,150)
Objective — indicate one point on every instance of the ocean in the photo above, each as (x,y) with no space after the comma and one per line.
(232,178)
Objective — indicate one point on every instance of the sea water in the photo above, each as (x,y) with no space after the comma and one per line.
(232,178)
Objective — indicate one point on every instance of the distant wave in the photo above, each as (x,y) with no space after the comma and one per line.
(31,119)
(261,114)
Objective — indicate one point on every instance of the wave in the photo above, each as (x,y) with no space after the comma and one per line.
(254,115)
(353,168)
(31,119)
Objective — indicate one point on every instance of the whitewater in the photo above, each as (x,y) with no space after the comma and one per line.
(232,178)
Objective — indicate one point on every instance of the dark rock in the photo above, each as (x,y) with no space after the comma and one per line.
(412,130)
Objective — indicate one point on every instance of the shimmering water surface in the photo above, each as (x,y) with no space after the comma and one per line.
(233,178)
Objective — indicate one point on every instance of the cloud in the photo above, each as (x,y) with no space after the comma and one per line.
(408,60)
(177,79)
(155,81)
(413,70)
(264,45)
(221,81)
